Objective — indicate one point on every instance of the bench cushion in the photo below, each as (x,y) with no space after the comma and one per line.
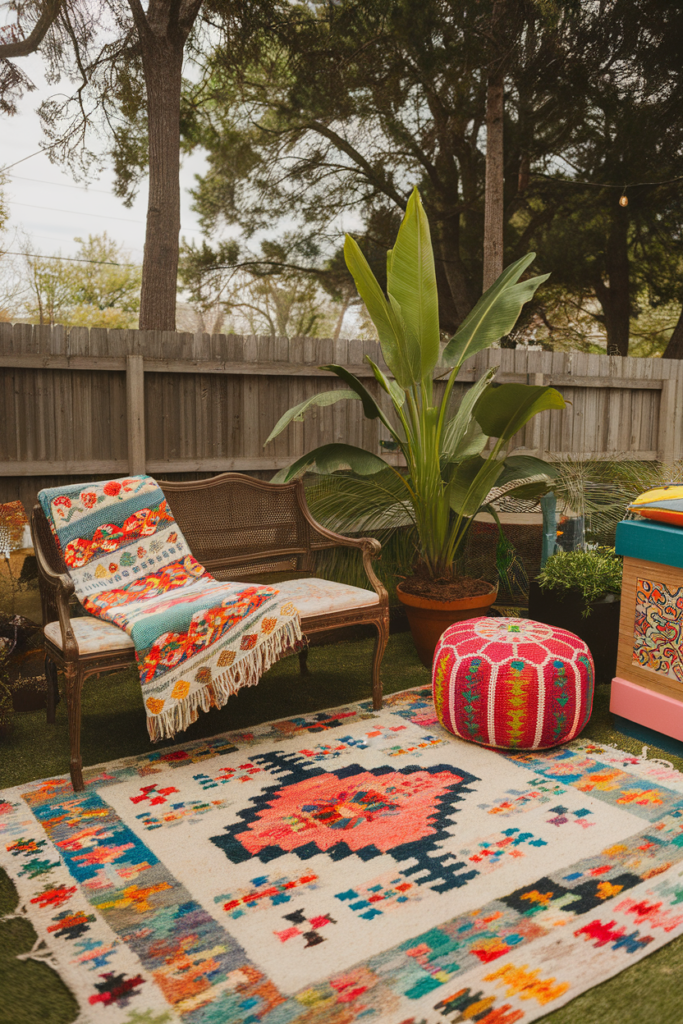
(310,596)
(320,597)
(93,636)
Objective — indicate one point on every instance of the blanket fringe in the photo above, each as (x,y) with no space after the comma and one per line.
(247,672)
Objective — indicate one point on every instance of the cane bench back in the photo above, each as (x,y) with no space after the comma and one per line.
(242,528)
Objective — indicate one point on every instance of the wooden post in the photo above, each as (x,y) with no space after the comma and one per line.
(667,415)
(135,399)
(535,426)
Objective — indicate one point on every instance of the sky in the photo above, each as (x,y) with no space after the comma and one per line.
(47,205)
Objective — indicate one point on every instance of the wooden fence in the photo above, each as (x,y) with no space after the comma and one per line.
(80,404)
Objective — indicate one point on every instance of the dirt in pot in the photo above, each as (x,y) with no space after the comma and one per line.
(444,589)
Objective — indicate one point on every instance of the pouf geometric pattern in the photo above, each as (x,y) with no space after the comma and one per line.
(512,683)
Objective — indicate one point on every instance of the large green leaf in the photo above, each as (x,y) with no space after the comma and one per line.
(396,393)
(346,502)
(408,338)
(472,443)
(390,329)
(504,410)
(330,457)
(523,467)
(495,314)
(370,407)
(459,425)
(411,280)
(297,412)
(471,483)
(530,491)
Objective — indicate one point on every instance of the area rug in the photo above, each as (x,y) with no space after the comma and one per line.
(347,866)
(197,640)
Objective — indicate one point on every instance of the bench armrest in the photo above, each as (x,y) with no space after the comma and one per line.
(56,588)
(370,547)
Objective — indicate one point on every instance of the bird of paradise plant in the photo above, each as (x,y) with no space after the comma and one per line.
(448,473)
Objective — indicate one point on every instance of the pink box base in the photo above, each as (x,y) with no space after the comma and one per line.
(648,708)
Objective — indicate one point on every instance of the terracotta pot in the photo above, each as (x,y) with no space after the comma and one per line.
(429,618)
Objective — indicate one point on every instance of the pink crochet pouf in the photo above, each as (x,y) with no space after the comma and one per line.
(512,683)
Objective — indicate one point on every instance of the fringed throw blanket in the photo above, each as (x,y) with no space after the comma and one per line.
(197,640)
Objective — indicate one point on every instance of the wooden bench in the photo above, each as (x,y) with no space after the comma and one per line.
(239,528)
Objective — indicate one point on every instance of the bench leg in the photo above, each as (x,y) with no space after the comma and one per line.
(52,690)
(74,685)
(380,647)
(303,659)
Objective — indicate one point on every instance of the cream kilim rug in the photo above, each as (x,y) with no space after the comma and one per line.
(347,866)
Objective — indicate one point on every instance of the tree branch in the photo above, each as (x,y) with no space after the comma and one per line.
(359,159)
(23,47)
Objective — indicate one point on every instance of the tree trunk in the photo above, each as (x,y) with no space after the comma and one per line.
(456,279)
(163,76)
(615,298)
(674,350)
(493,196)
(162,32)
(346,302)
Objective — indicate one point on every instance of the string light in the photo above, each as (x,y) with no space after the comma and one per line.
(623,198)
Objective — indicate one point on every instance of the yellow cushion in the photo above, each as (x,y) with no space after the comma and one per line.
(664,504)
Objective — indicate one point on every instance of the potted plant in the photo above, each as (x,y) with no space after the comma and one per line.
(25,657)
(580,591)
(449,470)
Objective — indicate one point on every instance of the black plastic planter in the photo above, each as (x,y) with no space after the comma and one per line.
(599,630)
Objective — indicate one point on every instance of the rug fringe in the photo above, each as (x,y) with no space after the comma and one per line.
(247,672)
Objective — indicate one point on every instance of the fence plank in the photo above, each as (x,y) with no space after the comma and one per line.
(667,419)
(135,403)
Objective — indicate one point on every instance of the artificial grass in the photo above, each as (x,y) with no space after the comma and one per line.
(114,726)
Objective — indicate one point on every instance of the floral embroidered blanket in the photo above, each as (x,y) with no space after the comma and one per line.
(197,640)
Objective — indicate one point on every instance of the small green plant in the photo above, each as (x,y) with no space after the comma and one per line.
(593,573)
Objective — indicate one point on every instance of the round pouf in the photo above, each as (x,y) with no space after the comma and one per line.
(512,683)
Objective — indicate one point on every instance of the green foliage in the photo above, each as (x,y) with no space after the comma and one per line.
(448,476)
(593,573)
(297,412)
(101,291)
(320,109)
(600,491)
(496,314)
(270,291)
(502,411)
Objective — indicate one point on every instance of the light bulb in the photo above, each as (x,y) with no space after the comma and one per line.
(623,201)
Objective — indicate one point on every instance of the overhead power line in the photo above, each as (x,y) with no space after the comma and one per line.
(71,259)
(84,213)
(61,184)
